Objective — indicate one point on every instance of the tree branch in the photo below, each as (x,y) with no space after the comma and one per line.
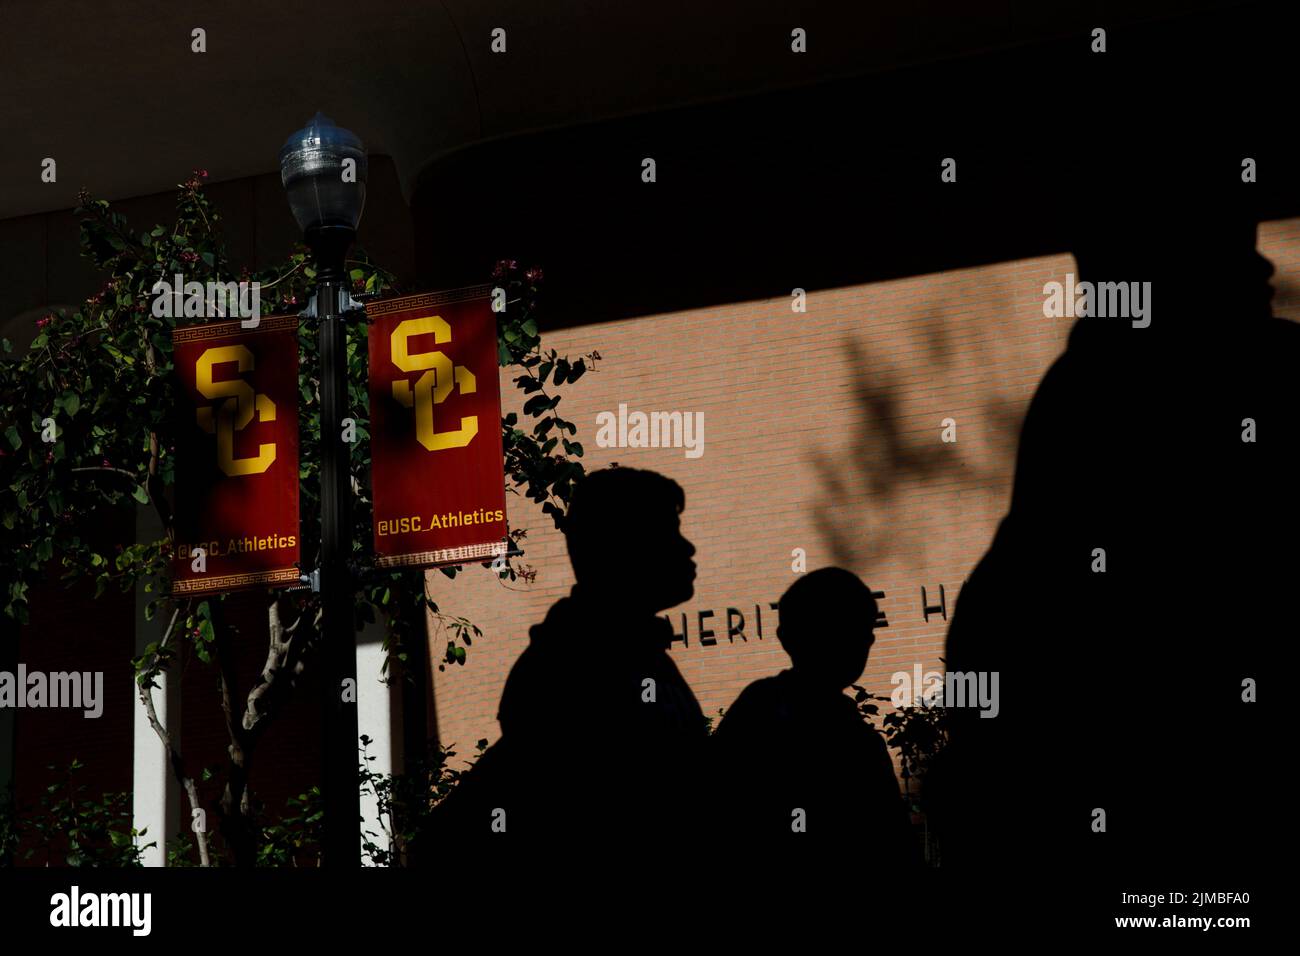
(153,484)
(283,660)
(173,752)
(119,471)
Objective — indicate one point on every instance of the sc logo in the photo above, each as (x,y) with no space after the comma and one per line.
(235,412)
(433,387)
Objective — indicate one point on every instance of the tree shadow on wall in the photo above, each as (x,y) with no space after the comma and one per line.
(869,506)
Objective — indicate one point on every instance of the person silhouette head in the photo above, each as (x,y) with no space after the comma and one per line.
(826,624)
(623,531)
(1203,266)
(1191,232)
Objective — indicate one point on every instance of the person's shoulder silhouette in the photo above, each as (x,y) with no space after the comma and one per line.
(795,754)
(601,734)
(1137,455)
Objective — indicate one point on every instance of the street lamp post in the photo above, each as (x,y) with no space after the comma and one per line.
(323,169)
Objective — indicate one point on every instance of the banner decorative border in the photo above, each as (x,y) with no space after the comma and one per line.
(467,552)
(387,306)
(213,330)
(227,581)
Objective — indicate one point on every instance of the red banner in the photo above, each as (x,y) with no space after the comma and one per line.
(437,472)
(236,455)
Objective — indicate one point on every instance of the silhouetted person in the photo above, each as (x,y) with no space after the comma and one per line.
(795,755)
(601,736)
(1121,689)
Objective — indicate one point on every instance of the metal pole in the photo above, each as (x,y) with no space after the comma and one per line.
(342,837)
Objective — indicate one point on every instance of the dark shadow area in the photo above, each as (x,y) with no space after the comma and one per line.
(1128,600)
(1121,690)
(838,183)
(793,758)
(602,739)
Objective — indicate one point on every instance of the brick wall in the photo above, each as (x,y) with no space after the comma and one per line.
(822,432)
(69,631)
(72,631)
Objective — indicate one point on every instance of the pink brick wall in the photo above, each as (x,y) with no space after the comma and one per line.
(822,432)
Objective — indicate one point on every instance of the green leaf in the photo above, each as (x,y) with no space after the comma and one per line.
(71,402)
(118,354)
(140,494)
(15,439)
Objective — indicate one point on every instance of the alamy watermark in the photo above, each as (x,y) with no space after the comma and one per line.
(652,430)
(78,690)
(954,688)
(1104,300)
(199,300)
(76,909)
